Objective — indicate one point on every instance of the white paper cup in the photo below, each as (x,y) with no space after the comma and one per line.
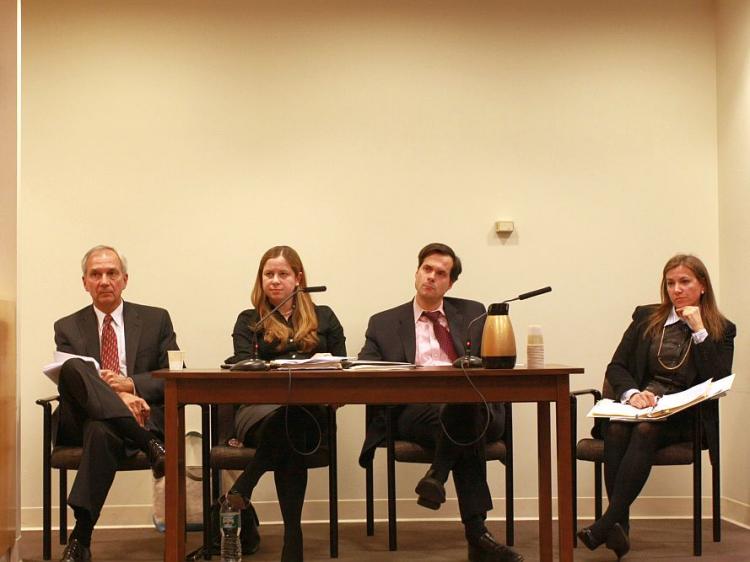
(535,356)
(176,360)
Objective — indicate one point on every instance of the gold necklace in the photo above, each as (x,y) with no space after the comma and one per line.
(684,357)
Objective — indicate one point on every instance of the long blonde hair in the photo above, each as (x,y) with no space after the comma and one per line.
(713,320)
(304,319)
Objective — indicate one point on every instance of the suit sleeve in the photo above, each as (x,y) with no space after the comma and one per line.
(242,337)
(371,349)
(334,332)
(713,359)
(620,371)
(147,387)
(62,341)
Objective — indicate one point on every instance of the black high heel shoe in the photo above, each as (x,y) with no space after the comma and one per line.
(587,538)
(618,541)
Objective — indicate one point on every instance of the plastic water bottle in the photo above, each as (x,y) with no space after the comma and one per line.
(231,548)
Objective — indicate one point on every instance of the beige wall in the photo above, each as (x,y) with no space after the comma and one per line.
(733,72)
(194,136)
(9,411)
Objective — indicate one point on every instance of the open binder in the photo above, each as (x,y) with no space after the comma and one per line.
(666,405)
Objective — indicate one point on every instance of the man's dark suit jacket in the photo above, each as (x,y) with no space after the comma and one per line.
(148,337)
(391,336)
(629,366)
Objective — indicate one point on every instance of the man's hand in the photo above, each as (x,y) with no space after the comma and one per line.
(644,399)
(117,382)
(138,407)
(691,315)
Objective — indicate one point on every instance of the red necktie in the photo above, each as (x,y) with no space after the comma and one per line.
(110,355)
(442,335)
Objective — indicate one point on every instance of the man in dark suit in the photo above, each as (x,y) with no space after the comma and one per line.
(118,411)
(432,330)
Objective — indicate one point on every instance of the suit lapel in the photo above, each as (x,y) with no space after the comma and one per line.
(457,326)
(89,327)
(406,332)
(132,335)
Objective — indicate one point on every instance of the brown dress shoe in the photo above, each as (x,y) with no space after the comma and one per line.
(76,552)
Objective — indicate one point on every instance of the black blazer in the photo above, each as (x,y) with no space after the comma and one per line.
(330,337)
(148,337)
(629,366)
(391,336)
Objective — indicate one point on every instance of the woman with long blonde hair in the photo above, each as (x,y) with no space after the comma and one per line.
(281,435)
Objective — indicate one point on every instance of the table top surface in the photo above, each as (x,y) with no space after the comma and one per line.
(201,373)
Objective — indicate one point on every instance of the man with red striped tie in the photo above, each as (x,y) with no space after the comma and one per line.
(432,330)
(115,412)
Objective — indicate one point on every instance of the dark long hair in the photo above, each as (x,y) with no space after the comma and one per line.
(713,319)
(304,319)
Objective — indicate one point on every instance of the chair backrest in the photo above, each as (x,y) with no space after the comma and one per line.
(607,390)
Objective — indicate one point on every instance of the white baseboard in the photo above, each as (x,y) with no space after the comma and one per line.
(407,509)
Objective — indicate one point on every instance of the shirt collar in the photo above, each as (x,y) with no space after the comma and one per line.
(672,318)
(116,314)
(418,310)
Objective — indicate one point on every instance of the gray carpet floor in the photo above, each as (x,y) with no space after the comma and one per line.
(653,540)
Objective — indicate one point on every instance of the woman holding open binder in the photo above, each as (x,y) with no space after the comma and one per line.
(667,348)
(283,436)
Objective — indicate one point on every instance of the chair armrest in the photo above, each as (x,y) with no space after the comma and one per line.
(594,392)
(47,401)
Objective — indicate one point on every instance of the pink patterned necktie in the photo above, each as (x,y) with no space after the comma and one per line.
(110,355)
(442,335)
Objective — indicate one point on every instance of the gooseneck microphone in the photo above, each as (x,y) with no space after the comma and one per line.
(530,294)
(255,363)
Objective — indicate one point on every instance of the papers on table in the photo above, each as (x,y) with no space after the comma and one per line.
(666,406)
(317,361)
(52,370)
(366,365)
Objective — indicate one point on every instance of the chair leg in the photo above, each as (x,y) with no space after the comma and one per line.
(370,500)
(333,493)
(697,539)
(46,491)
(598,467)
(391,461)
(63,506)
(716,494)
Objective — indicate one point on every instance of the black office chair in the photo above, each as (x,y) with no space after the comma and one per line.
(226,454)
(407,451)
(64,458)
(592,449)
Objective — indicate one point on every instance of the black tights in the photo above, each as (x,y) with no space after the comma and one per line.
(275,452)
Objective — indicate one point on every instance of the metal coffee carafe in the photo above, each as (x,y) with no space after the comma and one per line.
(498,341)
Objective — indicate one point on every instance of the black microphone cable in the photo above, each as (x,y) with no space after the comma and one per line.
(308,412)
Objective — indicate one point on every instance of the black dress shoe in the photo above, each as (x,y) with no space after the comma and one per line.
(431,491)
(487,549)
(156,454)
(76,552)
(587,537)
(618,541)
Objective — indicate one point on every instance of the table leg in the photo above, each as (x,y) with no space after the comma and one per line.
(564,471)
(174,501)
(545,482)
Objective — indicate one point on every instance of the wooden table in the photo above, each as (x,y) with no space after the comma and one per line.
(421,385)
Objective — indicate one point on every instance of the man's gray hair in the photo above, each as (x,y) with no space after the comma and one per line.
(102,248)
